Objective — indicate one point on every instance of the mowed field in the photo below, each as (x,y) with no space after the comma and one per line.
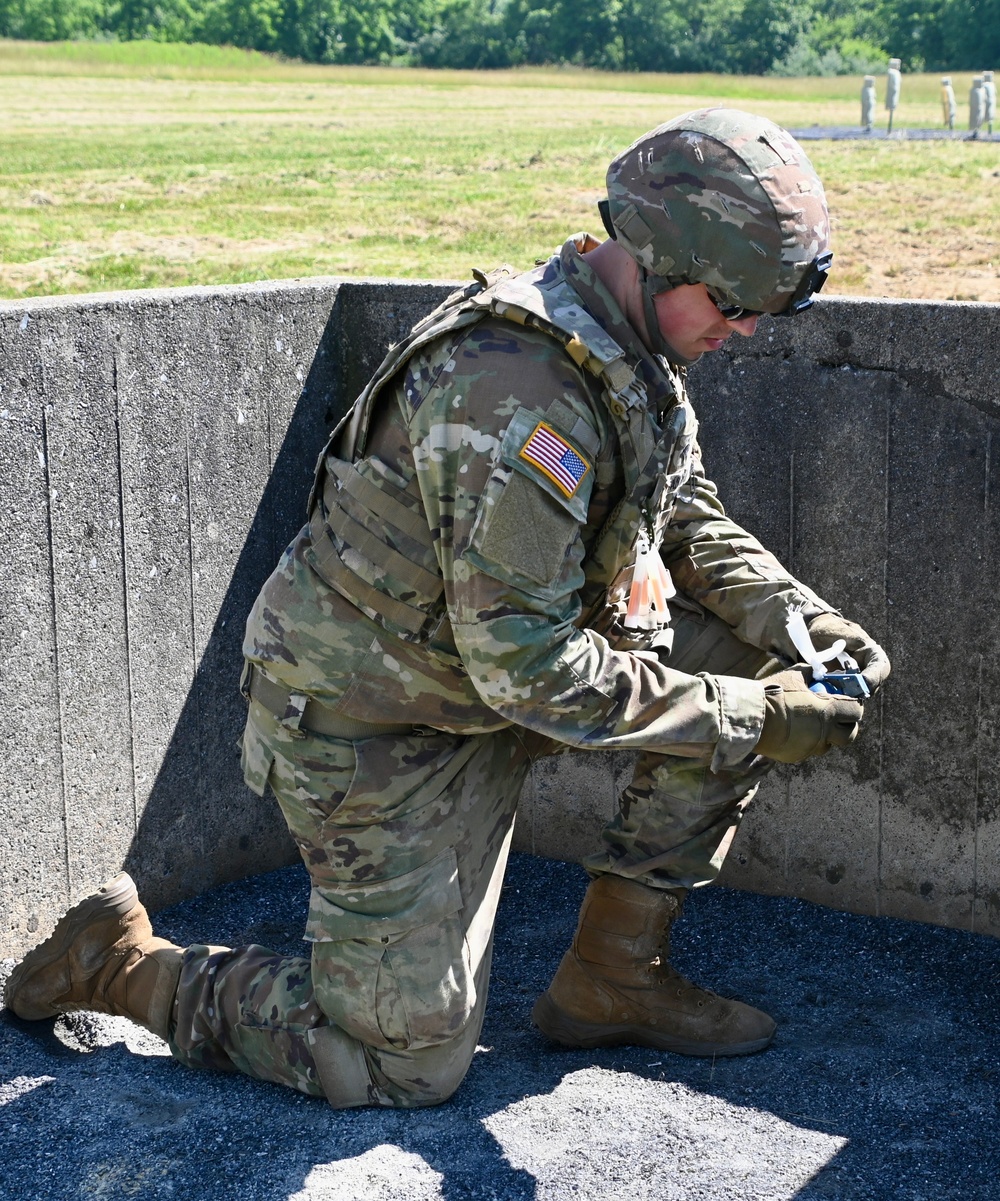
(139,165)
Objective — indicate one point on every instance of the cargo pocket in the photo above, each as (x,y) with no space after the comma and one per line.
(391,964)
(256,757)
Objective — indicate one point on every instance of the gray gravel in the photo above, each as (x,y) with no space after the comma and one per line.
(842,133)
(882,1082)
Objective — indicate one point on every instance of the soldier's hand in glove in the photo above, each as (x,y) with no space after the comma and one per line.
(792,679)
(799,724)
(825,629)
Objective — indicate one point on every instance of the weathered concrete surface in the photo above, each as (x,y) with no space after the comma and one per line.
(879,490)
(880,1085)
(155,455)
(857,442)
(155,452)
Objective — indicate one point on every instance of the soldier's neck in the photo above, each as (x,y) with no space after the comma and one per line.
(619,273)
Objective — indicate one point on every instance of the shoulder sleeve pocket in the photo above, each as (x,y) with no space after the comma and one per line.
(554,460)
(523,537)
(533,506)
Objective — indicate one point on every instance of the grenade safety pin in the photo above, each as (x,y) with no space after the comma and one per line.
(847,682)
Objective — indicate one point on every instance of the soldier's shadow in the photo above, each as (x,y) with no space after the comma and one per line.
(199,824)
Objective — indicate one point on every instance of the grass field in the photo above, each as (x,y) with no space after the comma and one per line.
(136,165)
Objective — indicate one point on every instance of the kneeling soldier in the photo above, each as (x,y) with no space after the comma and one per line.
(512,550)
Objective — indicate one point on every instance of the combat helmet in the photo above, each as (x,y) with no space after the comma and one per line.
(726,199)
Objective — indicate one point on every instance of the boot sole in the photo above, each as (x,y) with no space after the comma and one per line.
(115,899)
(568,1032)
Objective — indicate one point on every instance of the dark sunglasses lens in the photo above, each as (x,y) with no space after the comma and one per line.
(732,312)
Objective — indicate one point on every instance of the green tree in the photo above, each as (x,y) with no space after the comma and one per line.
(532,30)
(157,20)
(250,24)
(652,35)
(969,35)
(737,36)
(704,41)
(583,32)
(912,32)
(763,32)
(308,29)
(469,34)
(51,20)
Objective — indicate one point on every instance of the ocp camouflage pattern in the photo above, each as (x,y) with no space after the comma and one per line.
(489,622)
(528,631)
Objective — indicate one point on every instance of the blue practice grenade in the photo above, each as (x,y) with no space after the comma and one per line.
(843,683)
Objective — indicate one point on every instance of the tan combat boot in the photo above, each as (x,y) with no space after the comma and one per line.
(102,956)
(615,984)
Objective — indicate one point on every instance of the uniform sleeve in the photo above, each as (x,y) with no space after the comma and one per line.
(511,527)
(719,564)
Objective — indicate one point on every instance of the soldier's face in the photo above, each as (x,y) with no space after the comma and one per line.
(692,324)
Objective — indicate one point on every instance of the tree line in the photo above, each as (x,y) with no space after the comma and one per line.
(781,37)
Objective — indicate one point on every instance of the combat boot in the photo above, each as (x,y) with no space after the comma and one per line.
(102,956)
(615,984)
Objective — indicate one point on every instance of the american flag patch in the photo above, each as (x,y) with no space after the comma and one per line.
(554,457)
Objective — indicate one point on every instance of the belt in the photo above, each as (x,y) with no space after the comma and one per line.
(299,712)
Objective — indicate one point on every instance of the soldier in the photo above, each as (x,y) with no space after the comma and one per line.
(948,107)
(990,88)
(893,84)
(495,536)
(868,103)
(977,106)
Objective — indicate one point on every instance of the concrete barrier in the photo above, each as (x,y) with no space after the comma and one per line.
(155,451)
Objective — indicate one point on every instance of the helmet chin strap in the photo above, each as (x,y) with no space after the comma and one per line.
(657,342)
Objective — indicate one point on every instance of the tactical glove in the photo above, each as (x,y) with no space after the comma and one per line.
(799,724)
(872,659)
(792,679)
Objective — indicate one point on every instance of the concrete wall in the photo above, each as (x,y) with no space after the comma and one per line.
(155,451)
(857,442)
(155,454)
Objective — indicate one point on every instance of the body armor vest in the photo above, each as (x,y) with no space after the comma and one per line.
(399,586)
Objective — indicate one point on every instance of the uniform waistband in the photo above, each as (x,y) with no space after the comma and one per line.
(306,713)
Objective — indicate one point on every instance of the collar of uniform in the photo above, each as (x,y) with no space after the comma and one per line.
(603,307)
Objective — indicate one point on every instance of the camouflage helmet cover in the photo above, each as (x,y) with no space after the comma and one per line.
(723,198)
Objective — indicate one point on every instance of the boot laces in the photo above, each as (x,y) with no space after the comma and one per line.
(668,977)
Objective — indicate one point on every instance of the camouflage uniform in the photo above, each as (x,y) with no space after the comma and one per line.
(455,606)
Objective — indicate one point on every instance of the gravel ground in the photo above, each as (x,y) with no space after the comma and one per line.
(882,1082)
(843,133)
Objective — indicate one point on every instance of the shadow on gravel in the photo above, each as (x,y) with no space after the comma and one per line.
(882,1082)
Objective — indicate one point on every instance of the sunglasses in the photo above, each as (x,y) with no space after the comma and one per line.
(731,312)
(802,298)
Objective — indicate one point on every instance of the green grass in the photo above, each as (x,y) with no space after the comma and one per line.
(139,164)
(159,59)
